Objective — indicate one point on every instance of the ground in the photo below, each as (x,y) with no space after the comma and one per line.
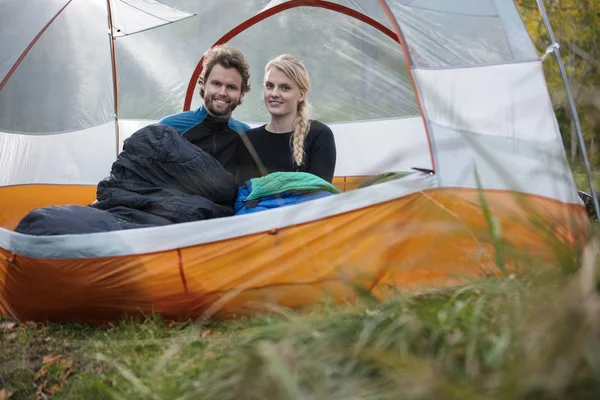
(531,336)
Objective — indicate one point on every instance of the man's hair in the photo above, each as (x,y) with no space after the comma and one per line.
(227,57)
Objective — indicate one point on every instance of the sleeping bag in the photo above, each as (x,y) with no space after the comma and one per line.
(280,189)
(159,178)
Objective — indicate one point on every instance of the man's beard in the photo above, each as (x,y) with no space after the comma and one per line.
(224,113)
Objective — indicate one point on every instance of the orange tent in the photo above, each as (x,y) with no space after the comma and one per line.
(453,89)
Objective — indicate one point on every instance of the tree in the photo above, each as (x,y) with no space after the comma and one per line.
(576,25)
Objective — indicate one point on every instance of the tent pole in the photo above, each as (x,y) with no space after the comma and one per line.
(111,39)
(572,106)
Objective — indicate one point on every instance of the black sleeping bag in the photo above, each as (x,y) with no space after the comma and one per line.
(159,178)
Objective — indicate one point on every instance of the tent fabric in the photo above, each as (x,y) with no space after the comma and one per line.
(452,87)
(15,41)
(498,122)
(85,157)
(389,244)
(134,16)
(64,83)
(440,33)
(520,107)
(152,239)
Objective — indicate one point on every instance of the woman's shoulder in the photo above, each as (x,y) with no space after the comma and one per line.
(256,131)
(319,127)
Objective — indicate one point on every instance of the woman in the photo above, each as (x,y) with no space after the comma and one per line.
(290,141)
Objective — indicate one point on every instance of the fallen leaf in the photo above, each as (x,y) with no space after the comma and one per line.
(206,333)
(65,374)
(65,362)
(11,337)
(62,361)
(209,355)
(7,326)
(42,372)
(5,394)
(53,389)
(51,359)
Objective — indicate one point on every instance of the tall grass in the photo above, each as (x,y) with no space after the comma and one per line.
(535,336)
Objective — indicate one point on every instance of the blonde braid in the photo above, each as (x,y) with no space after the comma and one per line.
(301,128)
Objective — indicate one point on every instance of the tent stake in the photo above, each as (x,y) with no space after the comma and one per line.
(573,108)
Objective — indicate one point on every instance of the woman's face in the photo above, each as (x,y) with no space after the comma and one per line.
(281,94)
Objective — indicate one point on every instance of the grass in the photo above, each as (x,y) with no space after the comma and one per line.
(535,336)
(581,179)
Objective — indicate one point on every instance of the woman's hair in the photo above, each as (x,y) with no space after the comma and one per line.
(297,73)
(227,57)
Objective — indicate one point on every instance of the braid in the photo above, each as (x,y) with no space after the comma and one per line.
(301,128)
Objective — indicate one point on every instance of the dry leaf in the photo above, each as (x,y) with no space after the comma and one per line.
(42,372)
(53,389)
(5,394)
(51,359)
(65,362)
(11,337)
(65,374)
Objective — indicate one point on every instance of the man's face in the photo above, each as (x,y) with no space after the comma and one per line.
(222,91)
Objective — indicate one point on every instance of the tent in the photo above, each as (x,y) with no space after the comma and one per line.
(452,94)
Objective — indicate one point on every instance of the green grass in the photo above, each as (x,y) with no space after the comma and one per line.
(535,336)
(581,180)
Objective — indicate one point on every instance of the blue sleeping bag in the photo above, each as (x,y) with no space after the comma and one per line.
(280,189)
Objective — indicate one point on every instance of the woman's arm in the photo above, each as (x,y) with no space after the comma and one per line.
(321,152)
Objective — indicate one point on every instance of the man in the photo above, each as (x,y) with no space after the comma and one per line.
(223,82)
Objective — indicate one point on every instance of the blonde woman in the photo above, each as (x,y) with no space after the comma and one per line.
(291,141)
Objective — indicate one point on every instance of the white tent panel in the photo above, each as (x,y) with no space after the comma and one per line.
(503,164)
(505,100)
(65,81)
(465,7)
(516,33)
(363,148)
(19,26)
(461,33)
(374,147)
(356,71)
(82,158)
(132,16)
(497,121)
